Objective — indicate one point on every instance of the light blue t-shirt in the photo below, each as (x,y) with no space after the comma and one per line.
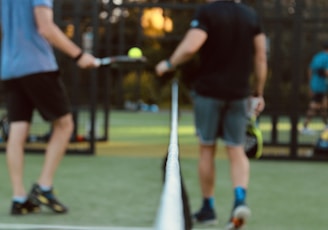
(319,84)
(24,51)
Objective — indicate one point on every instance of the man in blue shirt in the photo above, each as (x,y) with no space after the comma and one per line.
(30,76)
(318,89)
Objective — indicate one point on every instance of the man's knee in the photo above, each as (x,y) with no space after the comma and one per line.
(236,152)
(64,123)
(208,148)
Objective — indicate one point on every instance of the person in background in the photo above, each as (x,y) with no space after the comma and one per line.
(318,89)
(231,44)
(30,76)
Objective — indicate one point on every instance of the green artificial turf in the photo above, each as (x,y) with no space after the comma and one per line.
(121,185)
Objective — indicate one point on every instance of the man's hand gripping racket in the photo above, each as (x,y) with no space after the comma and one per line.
(254,139)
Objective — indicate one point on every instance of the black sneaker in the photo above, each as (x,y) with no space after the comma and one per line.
(238,218)
(24,208)
(205,217)
(46,198)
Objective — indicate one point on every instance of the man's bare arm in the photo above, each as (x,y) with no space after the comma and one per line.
(52,33)
(260,64)
(188,47)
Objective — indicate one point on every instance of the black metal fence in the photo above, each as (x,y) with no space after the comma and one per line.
(295,32)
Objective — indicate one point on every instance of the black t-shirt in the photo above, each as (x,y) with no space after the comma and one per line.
(226,58)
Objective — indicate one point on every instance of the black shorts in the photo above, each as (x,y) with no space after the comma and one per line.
(43,91)
(318,97)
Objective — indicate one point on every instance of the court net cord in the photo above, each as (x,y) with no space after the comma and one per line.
(170,212)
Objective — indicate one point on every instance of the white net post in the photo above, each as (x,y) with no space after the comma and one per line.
(170,212)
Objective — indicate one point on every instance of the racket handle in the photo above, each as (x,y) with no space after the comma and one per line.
(97,62)
(103,61)
(254,103)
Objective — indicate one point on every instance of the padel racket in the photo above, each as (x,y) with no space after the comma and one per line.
(254,140)
(119,59)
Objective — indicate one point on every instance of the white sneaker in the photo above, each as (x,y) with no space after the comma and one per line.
(307,131)
(238,218)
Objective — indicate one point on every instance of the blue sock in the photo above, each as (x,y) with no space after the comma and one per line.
(20,199)
(208,203)
(240,196)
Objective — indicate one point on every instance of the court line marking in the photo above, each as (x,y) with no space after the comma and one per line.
(57,227)
(69,227)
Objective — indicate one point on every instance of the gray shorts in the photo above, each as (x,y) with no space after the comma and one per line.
(220,119)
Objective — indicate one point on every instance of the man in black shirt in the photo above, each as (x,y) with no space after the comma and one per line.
(231,44)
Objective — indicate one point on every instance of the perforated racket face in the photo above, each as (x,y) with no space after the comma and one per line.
(251,141)
(251,145)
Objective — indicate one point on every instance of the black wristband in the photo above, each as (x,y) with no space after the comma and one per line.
(77,58)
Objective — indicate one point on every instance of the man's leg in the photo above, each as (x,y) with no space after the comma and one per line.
(61,134)
(239,166)
(206,172)
(207,121)
(312,111)
(239,171)
(18,132)
(42,192)
(324,108)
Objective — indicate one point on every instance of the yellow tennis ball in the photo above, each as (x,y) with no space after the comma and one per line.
(135,52)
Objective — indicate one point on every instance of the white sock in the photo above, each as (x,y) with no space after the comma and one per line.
(45,188)
(20,199)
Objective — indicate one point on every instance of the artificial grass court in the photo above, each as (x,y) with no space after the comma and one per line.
(121,185)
